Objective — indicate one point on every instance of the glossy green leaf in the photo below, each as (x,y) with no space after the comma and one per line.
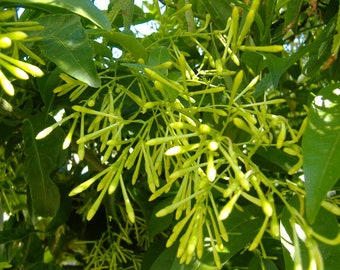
(66,44)
(321,147)
(326,224)
(42,157)
(84,8)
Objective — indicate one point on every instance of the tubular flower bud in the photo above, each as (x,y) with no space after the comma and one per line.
(6,84)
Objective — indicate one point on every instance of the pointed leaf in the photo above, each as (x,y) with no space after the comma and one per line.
(84,8)
(42,157)
(66,44)
(321,148)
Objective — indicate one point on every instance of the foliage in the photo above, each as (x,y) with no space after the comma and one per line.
(211,143)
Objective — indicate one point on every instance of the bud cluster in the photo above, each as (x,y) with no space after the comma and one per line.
(14,33)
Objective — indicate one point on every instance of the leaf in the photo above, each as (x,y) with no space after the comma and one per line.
(42,157)
(242,227)
(84,8)
(157,225)
(10,235)
(320,53)
(66,43)
(157,56)
(219,10)
(326,224)
(126,41)
(321,148)
(274,159)
(292,13)
(167,260)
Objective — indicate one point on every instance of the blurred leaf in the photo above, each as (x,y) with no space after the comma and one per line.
(326,224)
(292,13)
(320,53)
(67,45)
(5,265)
(10,235)
(42,157)
(34,249)
(84,8)
(321,148)
(127,13)
(43,266)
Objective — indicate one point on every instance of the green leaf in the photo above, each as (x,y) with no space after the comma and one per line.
(157,225)
(10,235)
(166,260)
(326,224)
(274,159)
(242,227)
(321,148)
(158,56)
(125,41)
(292,13)
(67,45)
(260,263)
(320,53)
(42,157)
(220,11)
(84,8)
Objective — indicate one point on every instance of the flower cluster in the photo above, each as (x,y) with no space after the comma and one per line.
(11,35)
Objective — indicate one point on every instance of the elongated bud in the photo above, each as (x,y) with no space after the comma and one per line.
(6,84)
(211,170)
(241,124)
(228,208)
(42,134)
(282,136)
(17,72)
(267,208)
(16,35)
(259,235)
(272,48)
(31,69)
